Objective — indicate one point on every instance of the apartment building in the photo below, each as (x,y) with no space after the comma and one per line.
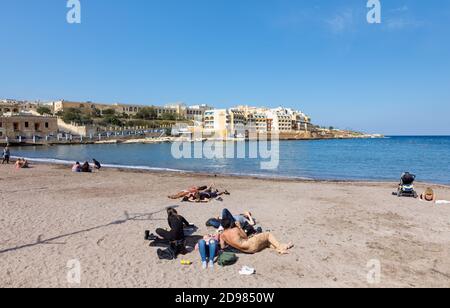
(281,120)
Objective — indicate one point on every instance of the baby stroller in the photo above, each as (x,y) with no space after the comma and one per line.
(406,187)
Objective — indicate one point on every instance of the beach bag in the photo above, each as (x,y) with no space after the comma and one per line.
(213,222)
(166,254)
(172,252)
(227,258)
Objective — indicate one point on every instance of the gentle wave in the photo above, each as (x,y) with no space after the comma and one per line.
(111,166)
(54,161)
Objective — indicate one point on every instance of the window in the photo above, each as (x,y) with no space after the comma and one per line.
(16,126)
(27,124)
(37,127)
(1,124)
(46,125)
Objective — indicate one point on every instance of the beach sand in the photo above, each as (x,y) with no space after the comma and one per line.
(50,216)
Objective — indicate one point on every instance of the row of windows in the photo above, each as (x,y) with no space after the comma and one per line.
(37,126)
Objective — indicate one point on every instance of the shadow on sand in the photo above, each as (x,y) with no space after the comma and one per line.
(50,241)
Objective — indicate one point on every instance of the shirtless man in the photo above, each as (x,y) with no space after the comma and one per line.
(234,236)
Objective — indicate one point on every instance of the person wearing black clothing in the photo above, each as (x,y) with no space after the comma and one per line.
(97,164)
(176,224)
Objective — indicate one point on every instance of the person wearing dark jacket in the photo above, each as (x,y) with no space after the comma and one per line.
(97,164)
(176,224)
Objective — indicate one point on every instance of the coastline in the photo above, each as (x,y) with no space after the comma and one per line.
(51,215)
(146,169)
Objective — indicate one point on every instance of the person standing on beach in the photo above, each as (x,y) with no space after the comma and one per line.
(6,155)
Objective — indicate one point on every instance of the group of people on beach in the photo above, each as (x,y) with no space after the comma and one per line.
(86,167)
(20,163)
(200,194)
(233,233)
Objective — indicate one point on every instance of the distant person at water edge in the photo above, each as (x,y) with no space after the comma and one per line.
(86,168)
(97,164)
(6,155)
(234,236)
(76,167)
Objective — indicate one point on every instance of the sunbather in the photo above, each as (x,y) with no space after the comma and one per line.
(86,167)
(428,195)
(21,163)
(188,192)
(234,236)
(76,167)
(205,196)
(245,218)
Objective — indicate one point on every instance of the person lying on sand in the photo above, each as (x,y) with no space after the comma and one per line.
(205,196)
(234,236)
(245,218)
(187,192)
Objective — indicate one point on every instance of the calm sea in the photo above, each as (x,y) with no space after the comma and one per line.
(359,159)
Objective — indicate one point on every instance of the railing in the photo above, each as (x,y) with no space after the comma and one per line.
(66,138)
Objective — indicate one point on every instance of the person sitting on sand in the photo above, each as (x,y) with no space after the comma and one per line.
(428,195)
(76,167)
(208,248)
(187,192)
(86,167)
(176,224)
(234,236)
(97,164)
(21,163)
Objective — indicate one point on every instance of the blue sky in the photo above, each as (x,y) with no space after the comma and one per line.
(319,56)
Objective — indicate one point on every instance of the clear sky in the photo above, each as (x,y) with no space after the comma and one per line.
(320,56)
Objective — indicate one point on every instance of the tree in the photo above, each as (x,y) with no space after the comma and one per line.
(73,115)
(43,110)
(169,117)
(147,113)
(112,120)
(109,112)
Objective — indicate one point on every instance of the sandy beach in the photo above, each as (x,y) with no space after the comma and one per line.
(50,216)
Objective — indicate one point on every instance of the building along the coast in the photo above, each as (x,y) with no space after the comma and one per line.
(15,106)
(177,110)
(15,127)
(243,120)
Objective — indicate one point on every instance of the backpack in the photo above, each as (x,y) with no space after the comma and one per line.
(172,252)
(227,258)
